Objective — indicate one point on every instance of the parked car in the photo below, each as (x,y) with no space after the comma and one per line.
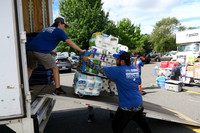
(165,57)
(143,56)
(63,64)
(74,60)
(153,55)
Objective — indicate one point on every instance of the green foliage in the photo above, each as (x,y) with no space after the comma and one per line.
(130,36)
(191,28)
(63,47)
(148,46)
(84,17)
(163,36)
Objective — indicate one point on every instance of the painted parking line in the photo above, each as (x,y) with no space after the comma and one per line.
(192,92)
(193,128)
(155,85)
(149,65)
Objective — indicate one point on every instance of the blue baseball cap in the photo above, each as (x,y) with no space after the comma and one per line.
(117,56)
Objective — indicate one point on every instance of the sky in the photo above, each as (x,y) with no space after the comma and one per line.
(147,12)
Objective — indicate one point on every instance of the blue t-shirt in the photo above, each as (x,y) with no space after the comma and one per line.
(47,40)
(139,64)
(127,80)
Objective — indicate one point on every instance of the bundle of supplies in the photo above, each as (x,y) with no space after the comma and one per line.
(105,45)
(101,50)
(92,85)
(87,85)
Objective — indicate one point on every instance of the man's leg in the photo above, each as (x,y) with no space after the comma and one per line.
(91,114)
(30,70)
(120,120)
(139,118)
(56,76)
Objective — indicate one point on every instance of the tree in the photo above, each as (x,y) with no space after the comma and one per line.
(147,44)
(191,28)
(84,17)
(130,36)
(163,37)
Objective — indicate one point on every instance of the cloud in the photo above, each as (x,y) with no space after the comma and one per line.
(148,12)
(55,9)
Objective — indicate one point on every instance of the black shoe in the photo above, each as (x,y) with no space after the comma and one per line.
(90,118)
(59,91)
(143,93)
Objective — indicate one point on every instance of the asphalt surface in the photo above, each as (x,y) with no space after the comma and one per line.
(72,117)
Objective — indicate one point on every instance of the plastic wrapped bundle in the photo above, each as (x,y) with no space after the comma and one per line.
(87,85)
(113,88)
(121,47)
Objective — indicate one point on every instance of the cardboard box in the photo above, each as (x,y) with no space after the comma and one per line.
(196,65)
(190,68)
(197,73)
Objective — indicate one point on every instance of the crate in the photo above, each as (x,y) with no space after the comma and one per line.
(164,64)
(173,85)
(161,85)
(161,82)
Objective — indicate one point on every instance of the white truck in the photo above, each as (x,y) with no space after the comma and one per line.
(26,112)
(188,50)
(189,44)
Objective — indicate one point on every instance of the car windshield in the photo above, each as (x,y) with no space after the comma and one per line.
(62,60)
(189,48)
(167,54)
(75,58)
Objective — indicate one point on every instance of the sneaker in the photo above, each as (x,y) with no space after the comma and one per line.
(143,93)
(59,91)
(90,118)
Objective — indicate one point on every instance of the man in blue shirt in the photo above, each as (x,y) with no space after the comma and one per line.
(139,64)
(40,49)
(127,80)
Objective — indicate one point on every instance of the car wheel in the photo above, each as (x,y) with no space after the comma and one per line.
(157,60)
(147,61)
(69,70)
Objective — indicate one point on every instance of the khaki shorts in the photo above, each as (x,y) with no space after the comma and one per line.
(47,60)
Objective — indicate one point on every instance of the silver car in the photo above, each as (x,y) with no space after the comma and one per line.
(63,64)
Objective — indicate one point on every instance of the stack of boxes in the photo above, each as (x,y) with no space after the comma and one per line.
(193,70)
(105,45)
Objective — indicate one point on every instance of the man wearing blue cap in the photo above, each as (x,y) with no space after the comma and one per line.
(127,80)
(42,46)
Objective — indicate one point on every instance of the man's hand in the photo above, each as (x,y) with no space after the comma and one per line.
(83,51)
(85,59)
(53,53)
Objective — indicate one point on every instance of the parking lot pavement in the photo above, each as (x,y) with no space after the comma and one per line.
(75,121)
(184,102)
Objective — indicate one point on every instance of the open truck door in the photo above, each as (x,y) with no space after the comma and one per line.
(18,110)
(11,74)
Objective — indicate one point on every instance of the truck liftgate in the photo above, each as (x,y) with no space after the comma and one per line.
(105,101)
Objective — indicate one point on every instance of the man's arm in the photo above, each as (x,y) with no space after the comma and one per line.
(93,66)
(73,45)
